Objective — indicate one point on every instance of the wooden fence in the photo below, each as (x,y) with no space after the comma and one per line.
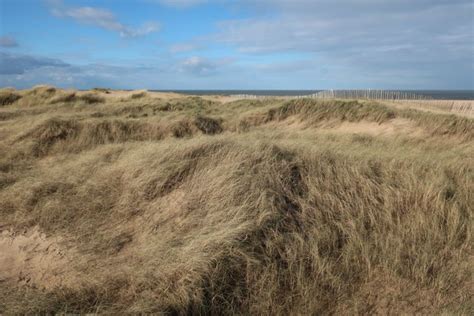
(352,94)
(368,94)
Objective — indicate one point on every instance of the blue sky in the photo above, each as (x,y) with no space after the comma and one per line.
(238,44)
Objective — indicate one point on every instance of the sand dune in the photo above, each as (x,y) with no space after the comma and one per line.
(135,201)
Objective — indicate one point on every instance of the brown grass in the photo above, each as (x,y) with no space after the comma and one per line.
(208,125)
(8,97)
(269,207)
(459,107)
(74,97)
(139,95)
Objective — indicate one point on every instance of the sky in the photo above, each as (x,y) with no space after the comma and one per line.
(238,44)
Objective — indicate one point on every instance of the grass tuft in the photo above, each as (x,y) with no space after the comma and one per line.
(208,125)
(138,95)
(8,97)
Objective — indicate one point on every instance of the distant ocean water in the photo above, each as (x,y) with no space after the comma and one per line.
(435,94)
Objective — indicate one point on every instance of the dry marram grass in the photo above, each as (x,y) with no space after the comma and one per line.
(143,202)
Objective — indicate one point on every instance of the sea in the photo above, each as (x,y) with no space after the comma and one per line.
(432,94)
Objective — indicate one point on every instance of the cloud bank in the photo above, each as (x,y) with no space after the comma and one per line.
(16,64)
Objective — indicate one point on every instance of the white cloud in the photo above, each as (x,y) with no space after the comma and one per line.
(367,36)
(181,3)
(303,25)
(202,66)
(102,18)
(183,47)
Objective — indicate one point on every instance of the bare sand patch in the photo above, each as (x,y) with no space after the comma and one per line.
(119,94)
(32,259)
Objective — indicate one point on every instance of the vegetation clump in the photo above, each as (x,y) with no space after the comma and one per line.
(138,95)
(8,97)
(208,125)
(103,90)
(182,128)
(74,97)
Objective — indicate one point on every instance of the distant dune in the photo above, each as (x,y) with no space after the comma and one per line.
(138,201)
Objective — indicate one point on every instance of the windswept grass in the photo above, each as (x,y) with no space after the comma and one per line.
(214,208)
(316,111)
(73,97)
(8,97)
(439,125)
(138,95)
